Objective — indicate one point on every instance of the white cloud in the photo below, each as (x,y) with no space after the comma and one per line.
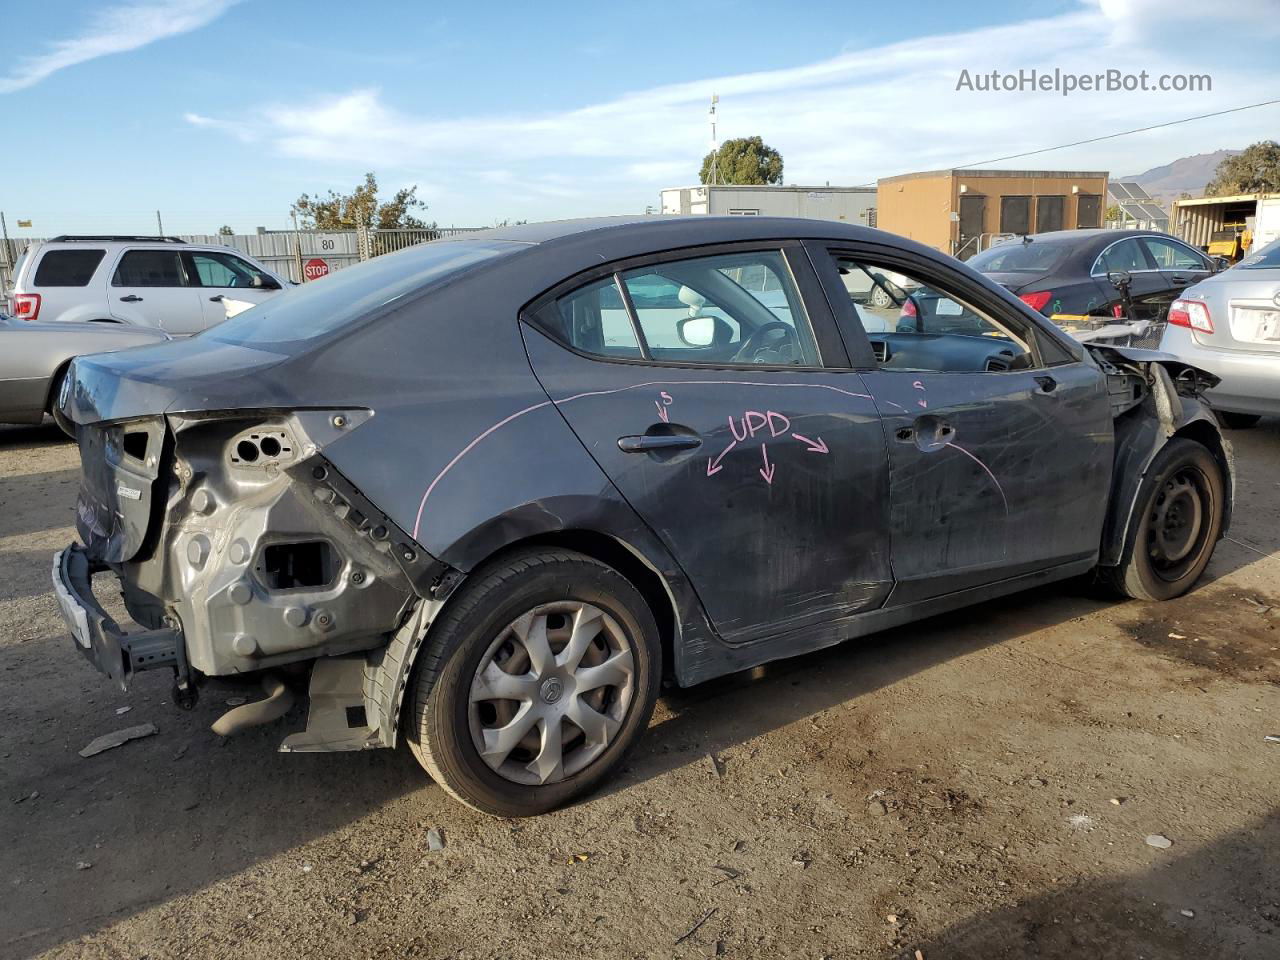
(117,29)
(850,118)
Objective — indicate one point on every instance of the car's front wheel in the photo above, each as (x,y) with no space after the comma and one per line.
(1176,522)
(538,677)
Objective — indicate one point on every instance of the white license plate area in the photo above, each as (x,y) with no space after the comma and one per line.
(1255,324)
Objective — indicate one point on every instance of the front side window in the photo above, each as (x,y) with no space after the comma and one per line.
(1126,255)
(149,268)
(227,270)
(1173,256)
(740,308)
(916,324)
(67,268)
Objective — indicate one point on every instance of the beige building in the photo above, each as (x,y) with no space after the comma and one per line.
(961,212)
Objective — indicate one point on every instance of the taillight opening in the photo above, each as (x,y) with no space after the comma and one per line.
(1192,314)
(1036,301)
(26,306)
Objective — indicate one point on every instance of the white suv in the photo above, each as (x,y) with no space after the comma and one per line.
(148,281)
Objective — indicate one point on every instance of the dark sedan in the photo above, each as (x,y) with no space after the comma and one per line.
(1064,274)
(488,494)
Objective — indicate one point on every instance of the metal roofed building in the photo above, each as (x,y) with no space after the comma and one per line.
(849,204)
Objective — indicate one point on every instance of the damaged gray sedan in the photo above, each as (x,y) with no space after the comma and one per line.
(486,495)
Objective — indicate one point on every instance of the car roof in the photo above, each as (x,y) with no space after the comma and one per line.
(698,227)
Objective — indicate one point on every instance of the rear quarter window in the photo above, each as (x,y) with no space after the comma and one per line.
(67,268)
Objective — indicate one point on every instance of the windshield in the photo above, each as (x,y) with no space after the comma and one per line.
(1265,259)
(322,306)
(1035,256)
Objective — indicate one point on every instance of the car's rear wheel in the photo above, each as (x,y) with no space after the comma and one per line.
(880,298)
(538,677)
(1238,421)
(1176,522)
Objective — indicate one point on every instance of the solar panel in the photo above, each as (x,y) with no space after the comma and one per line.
(1136,191)
(1119,191)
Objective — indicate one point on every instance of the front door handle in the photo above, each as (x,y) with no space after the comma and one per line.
(1046,384)
(131,298)
(216,299)
(656,443)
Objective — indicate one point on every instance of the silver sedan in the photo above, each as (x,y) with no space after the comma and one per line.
(1229,325)
(34,357)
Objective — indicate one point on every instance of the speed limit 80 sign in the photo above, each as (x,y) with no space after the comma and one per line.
(314,269)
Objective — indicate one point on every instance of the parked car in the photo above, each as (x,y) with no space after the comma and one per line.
(1063,274)
(34,358)
(145,281)
(1229,325)
(493,491)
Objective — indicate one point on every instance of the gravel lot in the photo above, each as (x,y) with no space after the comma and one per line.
(977,786)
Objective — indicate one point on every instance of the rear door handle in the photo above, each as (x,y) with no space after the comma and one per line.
(216,299)
(1180,281)
(1046,384)
(649,443)
(131,298)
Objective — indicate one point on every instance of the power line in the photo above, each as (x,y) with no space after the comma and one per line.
(1109,136)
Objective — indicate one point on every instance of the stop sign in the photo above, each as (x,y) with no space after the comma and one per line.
(314,269)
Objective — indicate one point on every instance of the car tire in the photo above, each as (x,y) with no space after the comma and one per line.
(880,299)
(51,404)
(1176,522)
(1238,421)
(492,624)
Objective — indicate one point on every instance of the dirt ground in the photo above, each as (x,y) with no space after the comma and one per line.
(980,785)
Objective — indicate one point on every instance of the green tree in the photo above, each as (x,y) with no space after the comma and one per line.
(360,207)
(1114,213)
(745,160)
(1256,170)
(226,231)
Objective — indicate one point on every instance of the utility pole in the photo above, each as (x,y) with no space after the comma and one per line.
(159,225)
(5,261)
(715,148)
(297,247)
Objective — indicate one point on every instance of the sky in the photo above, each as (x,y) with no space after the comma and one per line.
(223,111)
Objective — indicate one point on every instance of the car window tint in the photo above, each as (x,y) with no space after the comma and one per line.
(1125,255)
(1033,256)
(226,270)
(916,324)
(67,268)
(1173,256)
(149,268)
(1265,259)
(735,308)
(327,305)
(594,319)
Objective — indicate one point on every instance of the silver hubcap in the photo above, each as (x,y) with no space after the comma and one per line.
(551,692)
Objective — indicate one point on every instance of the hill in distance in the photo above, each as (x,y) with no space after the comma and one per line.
(1184,175)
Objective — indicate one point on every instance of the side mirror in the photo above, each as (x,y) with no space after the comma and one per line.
(1220,264)
(263,282)
(703,331)
(1119,278)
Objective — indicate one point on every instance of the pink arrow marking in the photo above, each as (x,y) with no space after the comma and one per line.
(713,466)
(815,446)
(767,470)
(662,411)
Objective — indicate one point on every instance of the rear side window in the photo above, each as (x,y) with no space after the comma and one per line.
(67,268)
(1267,258)
(149,268)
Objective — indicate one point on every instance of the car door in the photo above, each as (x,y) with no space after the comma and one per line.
(999,436)
(223,276)
(1179,266)
(1148,286)
(719,402)
(149,287)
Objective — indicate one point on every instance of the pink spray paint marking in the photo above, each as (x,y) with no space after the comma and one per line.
(999,489)
(713,466)
(922,402)
(664,400)
(662,411)
(417,523)
(767,470)
(815,446)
